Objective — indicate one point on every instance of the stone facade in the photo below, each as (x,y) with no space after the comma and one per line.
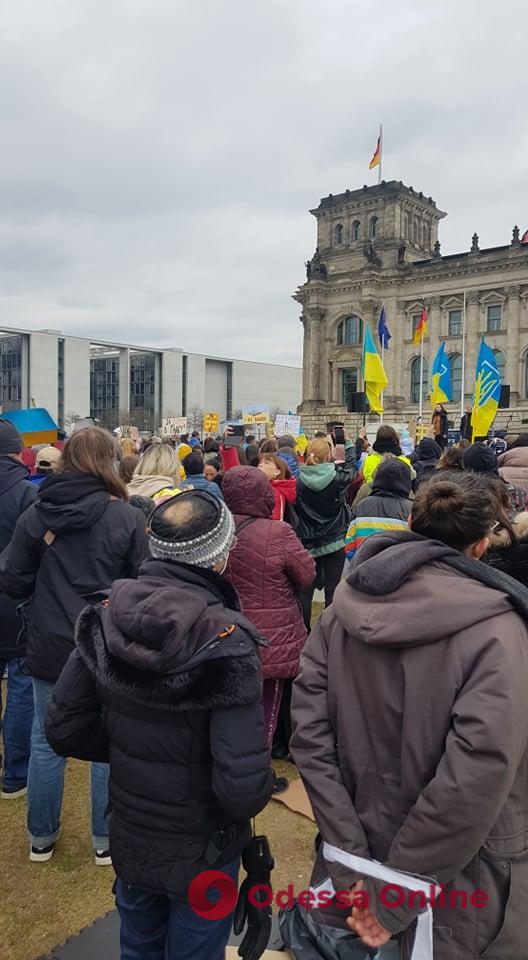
(379,246)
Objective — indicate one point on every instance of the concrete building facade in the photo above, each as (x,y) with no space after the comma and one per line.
(379,246)
(123,383)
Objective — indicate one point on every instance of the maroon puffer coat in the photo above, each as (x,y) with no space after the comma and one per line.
(267,566)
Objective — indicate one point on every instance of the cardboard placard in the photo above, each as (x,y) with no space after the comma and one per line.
(171,426)
(256,413)
(287,424)
(211,422)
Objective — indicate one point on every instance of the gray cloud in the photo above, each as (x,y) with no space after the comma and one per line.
(159,158)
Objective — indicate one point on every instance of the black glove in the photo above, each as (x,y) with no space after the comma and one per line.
(258,864)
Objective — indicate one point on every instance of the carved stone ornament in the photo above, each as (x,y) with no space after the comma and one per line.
(475,243)
(314,313)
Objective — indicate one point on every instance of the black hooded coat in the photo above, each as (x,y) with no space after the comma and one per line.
(74,541)
(166,685)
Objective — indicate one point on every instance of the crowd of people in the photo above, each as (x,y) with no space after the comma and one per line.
(156,603)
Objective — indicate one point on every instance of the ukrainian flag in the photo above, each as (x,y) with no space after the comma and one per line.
(487,391)
(374,376)
(441,378)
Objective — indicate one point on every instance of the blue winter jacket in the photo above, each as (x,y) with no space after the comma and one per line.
(291,460)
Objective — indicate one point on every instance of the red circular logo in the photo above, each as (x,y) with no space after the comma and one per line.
(225,895)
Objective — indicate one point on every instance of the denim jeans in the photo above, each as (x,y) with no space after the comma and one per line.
(46,783)
(154,926)
(18,718)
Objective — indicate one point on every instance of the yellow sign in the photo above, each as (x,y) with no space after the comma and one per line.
(211,422)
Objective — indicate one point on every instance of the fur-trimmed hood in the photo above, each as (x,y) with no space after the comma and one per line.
(500,539)
(172,640)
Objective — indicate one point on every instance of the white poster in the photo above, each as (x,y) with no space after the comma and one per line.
(171,426)
(287,424)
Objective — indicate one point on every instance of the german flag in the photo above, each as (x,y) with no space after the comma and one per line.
(376,159)
(421,329)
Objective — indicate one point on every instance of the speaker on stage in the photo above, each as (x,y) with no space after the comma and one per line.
(357,403)
(504,400)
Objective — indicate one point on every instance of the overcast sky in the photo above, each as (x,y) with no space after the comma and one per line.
(159,157)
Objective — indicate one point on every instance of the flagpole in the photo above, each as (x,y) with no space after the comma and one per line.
(421,381)
(462,404)
(381,152)
(383,365)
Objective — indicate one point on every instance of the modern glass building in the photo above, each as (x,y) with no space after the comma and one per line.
(116,383)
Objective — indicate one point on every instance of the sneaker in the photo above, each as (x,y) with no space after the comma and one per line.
(41,854)
(103,858)
(7,794)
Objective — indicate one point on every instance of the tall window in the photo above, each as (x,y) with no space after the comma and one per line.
(349,384)
(373,227)
(415,231)
(494,317)
(356,230)
(338,233)
(455,323)
(500,358)
(415,380)
(455,362)
(406,227)
(349,331)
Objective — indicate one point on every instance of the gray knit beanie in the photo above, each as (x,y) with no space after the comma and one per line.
(10,439)
(205,550)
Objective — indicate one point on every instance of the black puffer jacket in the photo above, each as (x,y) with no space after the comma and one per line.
(511,556)
(321,505)
(74,541)
(425,460)
(16,495)
(166,684)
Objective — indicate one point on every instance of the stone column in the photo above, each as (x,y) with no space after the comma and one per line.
(435,326)
(336,377)
(124,380)
(314,317)
(472,342)
(306,359)
(512,339)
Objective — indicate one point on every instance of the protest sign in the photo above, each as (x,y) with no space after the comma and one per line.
(171,426)
(255,413)
(287,424)
(211,422)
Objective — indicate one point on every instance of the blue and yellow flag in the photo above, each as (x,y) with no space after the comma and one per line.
(440,378)
(487,391)
(374,376)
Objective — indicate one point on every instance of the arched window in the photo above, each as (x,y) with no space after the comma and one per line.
(415,380)
(356,230)
(373,227)
(455,362)
(500,357)
(338,233)
(349,331)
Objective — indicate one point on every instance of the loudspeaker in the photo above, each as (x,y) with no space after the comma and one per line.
(504,400)
(357,403)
